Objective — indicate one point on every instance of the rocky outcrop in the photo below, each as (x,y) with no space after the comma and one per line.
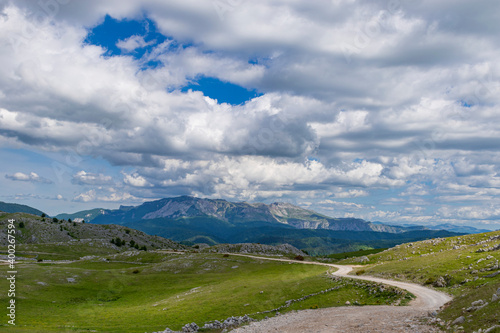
(281,250)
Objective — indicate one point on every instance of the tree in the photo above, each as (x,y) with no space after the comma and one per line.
(124,242)
(69,220)
(144,248)
(118,241)
(21,224)
(43,215)
(55,220)
(112,240)
(132,243)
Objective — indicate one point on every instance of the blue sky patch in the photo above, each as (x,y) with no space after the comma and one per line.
(111,31)
(223,92)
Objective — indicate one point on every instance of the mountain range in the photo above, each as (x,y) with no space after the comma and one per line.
(213,221)
(193,220)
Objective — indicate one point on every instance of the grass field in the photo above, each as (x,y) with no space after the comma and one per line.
(149,291)
(458,261)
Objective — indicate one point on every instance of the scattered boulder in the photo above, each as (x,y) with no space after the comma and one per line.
(494,298)
(362,259)
(347,303)
(477,303)
(491,329)
(440,282)
(188,328)
(458,321)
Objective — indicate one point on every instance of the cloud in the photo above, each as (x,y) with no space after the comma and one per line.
(85,178)
(360,100)
(133,42)
(32,177)
(135,180)
(85,197)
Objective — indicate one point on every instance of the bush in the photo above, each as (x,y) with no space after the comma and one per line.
(43,215)
(55,220)
(225,255)
(360,272)
(21,224)
(299,257)
(136,271)
(127,231)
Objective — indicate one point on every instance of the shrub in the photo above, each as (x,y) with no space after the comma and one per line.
(127,231)
(315,306)
(136,271)
(299,257)
(43,215)
(55,220)
(225,255)
(21,224)
(360,272)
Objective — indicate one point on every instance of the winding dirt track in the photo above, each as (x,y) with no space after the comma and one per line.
(355,319)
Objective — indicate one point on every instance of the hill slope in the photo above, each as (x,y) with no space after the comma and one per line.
(34,234)
(465,266)
(17,208)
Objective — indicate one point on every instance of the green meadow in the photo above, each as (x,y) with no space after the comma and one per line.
(149,291)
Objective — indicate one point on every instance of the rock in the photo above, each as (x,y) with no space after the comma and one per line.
(188,328)
(362,259)
(71,280)
(491,329)
(440,282)
(347,303)
(458,321)
(494,298)
(477,303)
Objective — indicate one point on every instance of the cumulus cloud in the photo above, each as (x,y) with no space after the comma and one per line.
(86,178)
(31,177)
(359,99)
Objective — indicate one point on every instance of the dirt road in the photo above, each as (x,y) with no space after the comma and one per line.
(355,319)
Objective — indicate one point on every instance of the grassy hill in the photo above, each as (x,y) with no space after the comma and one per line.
(49,238)
(17,208)
(467,267)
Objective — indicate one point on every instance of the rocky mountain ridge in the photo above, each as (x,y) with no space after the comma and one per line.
(241,212)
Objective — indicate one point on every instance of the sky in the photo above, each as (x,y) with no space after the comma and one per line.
(381,110)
